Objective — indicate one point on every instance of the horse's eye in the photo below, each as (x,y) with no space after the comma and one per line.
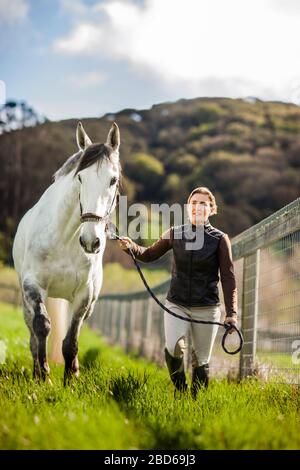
(113,180)
(79,178)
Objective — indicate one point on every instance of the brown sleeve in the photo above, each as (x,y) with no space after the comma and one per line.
(156,250)
(227,276)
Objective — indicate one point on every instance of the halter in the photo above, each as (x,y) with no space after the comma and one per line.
(90,217)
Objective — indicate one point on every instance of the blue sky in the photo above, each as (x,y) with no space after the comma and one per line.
(83,58)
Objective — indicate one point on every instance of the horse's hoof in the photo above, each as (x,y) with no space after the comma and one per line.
(75,367)
(46,368)
(44,371)
(36,375)
(69,374)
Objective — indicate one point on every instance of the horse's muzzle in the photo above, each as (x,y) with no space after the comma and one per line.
(92,247)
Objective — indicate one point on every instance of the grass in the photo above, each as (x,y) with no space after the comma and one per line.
(120,402)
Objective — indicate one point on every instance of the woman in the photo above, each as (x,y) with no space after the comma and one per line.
(193,290)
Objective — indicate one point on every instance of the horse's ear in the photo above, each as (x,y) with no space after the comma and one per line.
(83,140)
(113,138)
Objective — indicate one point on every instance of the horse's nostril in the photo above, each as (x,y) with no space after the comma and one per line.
(96,244)
(81,242)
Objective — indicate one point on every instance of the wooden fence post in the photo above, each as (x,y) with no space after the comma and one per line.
(123,333)
(249,312)
(146,327)
(130,320)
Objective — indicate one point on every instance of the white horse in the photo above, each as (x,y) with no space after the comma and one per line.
(59,244)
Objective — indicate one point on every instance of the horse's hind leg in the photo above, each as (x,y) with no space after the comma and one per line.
(40,326)
(34,351)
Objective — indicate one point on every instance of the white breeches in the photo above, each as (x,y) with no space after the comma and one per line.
(203,336)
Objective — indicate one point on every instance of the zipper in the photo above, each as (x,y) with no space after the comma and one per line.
(190,277)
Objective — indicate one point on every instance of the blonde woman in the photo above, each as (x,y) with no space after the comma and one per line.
(193,291)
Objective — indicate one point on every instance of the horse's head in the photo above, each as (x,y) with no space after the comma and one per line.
(98,174)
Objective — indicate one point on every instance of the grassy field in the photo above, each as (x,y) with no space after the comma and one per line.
(120,402)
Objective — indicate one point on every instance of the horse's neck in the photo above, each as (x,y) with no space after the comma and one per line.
(64,207)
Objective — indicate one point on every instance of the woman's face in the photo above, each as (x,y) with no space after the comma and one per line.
(199,208)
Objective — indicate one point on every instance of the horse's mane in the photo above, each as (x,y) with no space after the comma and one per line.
(86,158)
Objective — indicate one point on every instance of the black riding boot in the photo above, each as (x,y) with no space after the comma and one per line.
(176,371)
(200,377)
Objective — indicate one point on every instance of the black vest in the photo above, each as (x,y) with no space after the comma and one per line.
(195,273)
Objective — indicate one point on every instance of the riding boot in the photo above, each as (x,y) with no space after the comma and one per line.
(200,378)
(176,371)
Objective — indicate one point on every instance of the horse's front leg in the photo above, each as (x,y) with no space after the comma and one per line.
(81,309)
(38,322)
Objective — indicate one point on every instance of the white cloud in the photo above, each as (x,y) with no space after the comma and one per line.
(187,41)
(87,80)
(13,10)
(86,38)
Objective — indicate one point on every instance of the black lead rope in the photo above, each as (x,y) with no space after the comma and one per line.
(226,326)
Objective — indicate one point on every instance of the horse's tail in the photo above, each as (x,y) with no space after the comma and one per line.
(58,312)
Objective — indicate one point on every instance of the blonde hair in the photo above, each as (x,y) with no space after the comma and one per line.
(204,190)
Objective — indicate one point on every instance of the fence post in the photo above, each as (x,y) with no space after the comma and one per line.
(146,327)
(130,325)
(101,310)
(118,323)
(108,319)
(249,312)
(112,338)
(161,333)
(123,332)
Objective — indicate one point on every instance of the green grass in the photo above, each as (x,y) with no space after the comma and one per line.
(120,402)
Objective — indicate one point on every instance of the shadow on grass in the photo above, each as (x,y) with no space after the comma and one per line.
(90,358)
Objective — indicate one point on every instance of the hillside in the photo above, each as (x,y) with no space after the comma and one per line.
(246,151)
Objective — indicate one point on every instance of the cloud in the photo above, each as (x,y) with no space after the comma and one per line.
(87,80)
(85,39)
(185,42)
(12,11)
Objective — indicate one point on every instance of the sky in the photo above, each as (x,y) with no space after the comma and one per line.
(85,58)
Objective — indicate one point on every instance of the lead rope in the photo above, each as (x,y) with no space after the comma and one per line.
(226,326)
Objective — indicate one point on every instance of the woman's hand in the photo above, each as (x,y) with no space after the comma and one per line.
(230,321)
(125,243)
